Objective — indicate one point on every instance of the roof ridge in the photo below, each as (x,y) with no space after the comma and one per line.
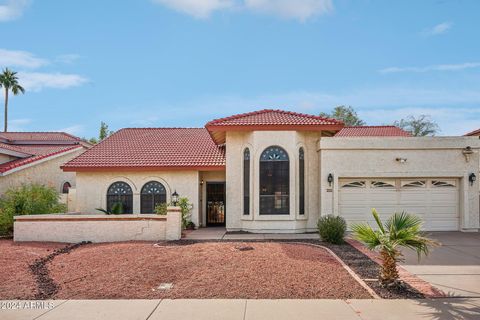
(263,111)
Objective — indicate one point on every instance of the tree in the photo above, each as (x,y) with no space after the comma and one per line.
(104,132)
(400,230)
(421,126)
(9,81)
(346,114)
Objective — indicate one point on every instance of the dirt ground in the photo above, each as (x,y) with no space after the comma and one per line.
(16,280)
(199,270)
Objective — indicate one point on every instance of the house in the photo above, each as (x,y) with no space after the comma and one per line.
(473,133)
(278,171)
(36,157)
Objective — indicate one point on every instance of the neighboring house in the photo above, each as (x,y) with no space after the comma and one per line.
(473,133)
(278,171)
(36,157)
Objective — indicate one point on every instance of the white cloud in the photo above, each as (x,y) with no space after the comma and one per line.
(18,124)
(438,29)
(438,67)
(291,9)
(17,58)
(67,58)
(36,81)
(12,9)
(76,129)
(197,8)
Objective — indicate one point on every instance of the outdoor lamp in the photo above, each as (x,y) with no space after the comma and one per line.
(330,179)
(472,177)
(175,198)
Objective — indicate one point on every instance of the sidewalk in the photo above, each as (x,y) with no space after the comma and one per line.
(453,308)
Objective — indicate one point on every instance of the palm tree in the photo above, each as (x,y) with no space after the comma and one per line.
(9,81)
(400,230)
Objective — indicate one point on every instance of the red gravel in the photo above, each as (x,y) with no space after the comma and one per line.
(16,280)
(200,270)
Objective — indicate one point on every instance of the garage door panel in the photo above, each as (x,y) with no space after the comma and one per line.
(437,203)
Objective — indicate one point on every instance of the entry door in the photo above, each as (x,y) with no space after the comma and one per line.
(215,203)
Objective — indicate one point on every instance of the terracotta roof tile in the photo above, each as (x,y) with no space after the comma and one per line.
(269,119)
(473,133)
(272,117)
(150,149)
(372,131)
(38,152)
(38,136)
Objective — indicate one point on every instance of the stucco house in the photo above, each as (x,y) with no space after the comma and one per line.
(278,171)
(36,157)
(473,133)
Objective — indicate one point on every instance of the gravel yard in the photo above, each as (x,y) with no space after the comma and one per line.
(197,270)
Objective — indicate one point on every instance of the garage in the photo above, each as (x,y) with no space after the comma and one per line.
(435,200)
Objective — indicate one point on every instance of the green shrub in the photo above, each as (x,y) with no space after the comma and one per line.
(332,228)
(27,199)
(117,208)
(185,207)
(161,209)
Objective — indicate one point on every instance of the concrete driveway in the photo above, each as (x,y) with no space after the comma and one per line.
(454,267)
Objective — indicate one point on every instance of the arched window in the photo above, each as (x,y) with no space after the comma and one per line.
(301,179)
(153,193)
(246,181)
(66,186)
(120,192)
(274,181)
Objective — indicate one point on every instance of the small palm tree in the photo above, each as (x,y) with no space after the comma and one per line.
(400,230)
(9,81)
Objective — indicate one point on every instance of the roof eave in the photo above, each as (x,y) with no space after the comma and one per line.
(73,168)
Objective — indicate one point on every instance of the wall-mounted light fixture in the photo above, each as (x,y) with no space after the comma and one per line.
(175,198)
(330,179)
(401,160)
(201,182)
(472,178)
(467,152)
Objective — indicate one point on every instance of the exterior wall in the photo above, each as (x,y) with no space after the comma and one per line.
(47,173)
(92,188)
(426,157)
(98,228)
(206,177)
(257,142)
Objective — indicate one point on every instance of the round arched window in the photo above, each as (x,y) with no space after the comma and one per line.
(274,181)
(153,193)
(120,193)
(66,186)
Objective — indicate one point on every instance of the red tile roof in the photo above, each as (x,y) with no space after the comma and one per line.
(473,133)
(372,131)
(41,152)
(38,136)
(35,146)
(269,119)
(152,149)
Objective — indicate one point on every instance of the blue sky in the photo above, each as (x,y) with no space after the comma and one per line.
(147,63)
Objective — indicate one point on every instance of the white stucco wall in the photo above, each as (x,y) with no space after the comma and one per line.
(92,187)
(257,142)
(46,172)
(426,157)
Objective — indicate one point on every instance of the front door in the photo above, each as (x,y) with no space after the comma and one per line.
(215,204)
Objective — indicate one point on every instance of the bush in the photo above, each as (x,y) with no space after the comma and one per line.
(161,209)
(332,228)
(27,199)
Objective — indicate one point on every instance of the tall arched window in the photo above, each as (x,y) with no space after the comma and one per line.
(274,181)
(301,179)
(246,181)
(66,186)
(120,192)
(153,193)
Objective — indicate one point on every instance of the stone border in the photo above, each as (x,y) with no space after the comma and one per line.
(415,282)
(344,265)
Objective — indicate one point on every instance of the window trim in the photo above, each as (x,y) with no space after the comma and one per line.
(129,200)
(281,163)
(142,194)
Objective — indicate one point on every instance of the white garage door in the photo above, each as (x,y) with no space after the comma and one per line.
(436,201)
